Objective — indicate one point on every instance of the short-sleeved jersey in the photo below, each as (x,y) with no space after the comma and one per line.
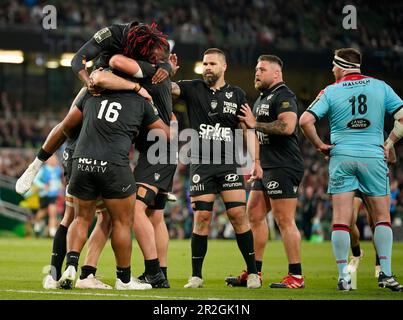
(214,115)
(356,106)
(277,150)
(162,98)
(111,121)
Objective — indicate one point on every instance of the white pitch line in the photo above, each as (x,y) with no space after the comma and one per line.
(103,294)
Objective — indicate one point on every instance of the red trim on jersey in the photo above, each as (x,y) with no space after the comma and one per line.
(349,77)
(352,77)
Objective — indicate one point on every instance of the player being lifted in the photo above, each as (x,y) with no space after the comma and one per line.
(149,38)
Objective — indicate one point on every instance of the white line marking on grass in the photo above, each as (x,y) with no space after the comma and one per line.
(102,294)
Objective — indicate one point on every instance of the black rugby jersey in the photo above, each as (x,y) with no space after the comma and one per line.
(277,150)
(162,98)
(214,115)
(110,124)
(104,44)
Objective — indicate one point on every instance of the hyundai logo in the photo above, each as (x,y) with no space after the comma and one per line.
(232,177)
(272,185)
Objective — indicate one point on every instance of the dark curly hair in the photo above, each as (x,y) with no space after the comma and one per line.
(143,39)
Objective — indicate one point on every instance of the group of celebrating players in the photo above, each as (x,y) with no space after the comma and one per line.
(117,108)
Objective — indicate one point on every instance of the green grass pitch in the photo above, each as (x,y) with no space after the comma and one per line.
(22,262)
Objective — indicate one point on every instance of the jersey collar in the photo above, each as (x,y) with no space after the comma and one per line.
(351,77)
(268,91)
(225,86)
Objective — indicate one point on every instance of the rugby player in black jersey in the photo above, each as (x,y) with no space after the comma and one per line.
(154,180)
(213,107)
(100,169)
(274,117)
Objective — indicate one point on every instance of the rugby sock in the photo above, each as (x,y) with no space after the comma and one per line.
(123,274)
(295,269)
(383,239)
(86,271)
(72,259)
(341,245)
(356,251)
(58,252)
(199,250)
(152,266)
(245,244)
(259,265)
(165,271)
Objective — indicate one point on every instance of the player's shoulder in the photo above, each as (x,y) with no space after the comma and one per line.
(284,92)
(235,89)
(192,83)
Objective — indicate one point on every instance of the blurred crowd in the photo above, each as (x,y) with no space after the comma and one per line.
(22,133)
(292,24)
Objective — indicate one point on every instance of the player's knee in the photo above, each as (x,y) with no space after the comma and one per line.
(202,221)
(238,218)
(156,217)
(83,221)
(256,218)
(104,221)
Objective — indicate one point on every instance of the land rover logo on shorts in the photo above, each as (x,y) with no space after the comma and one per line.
(232,177)
(229,95)
(156,176)
(65,155)
(196,178)
(272,185)
(214,104)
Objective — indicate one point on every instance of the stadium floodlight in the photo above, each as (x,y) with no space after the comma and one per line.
(52,64)
(198,69)
(65,60)
(11,56)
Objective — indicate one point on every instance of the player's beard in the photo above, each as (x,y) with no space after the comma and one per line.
(211,78)
(261,85)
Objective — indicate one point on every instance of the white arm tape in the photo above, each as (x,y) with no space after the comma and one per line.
(397,131)
(139,74)
(398,115)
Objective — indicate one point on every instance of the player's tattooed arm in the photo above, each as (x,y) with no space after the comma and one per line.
(176,90)
(275,127)
(284,125)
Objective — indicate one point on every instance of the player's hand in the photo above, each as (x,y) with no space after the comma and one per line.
(173,60)
(248,118)
(390,154)
(93,89)
(144,93)
(256,172)
(324,149)
(159,76)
